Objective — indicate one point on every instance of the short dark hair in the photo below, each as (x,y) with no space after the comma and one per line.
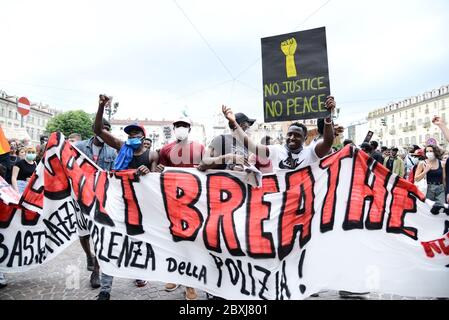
(374,144)
(365,146)
(148,139)
(394,149)
(384,148)
(302,126)
(347,141)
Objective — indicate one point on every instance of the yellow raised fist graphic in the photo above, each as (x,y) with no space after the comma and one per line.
(288,47)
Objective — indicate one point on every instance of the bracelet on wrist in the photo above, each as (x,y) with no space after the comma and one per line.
(328,121)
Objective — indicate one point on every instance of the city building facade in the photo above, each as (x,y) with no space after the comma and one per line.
(31,127)
(409,122)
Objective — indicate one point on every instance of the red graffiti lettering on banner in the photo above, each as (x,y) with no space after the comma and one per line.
(133,215)
(181,191)
(363,192)
(404,196)
(260,244)
(7,212)
(225,194)
(333,163)
(56,185)
(297,210)
(437,246)
(33,196)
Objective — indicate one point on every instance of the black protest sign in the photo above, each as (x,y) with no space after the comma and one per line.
(295,76)
(368,137)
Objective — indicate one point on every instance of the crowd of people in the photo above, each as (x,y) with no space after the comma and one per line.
(233,151)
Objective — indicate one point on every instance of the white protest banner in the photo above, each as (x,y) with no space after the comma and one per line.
(345,223)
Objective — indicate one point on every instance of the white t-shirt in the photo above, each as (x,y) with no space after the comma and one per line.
(281,158)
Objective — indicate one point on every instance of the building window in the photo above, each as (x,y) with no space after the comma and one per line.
(10,114)
(400,142)
(392,142)
(413,140)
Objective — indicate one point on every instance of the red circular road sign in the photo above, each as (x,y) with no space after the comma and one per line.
(23,106)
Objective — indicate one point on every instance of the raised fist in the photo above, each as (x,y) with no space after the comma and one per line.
(288,47)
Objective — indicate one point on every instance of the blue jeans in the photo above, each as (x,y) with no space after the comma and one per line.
(106,282)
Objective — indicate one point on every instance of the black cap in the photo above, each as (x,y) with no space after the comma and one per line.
(366,146)
(241,117)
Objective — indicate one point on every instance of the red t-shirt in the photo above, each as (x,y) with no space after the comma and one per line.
(181,155)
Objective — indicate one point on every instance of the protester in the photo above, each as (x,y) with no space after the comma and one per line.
(147,143)
(42,147)
(104,156)
(23,170)
(375,154)
(410,160)
(367,148)
(74,138)
(181,153)
(394,163)
(227,152)
(385,151)
(418,156)
(292,155)
(264,165)
(433,171)
(131,155)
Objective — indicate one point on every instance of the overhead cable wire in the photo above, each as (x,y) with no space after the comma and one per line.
(294,29)
(204,39)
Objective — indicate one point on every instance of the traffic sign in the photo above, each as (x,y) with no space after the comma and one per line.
(23,106)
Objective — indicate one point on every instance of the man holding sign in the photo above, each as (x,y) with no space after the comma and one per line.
(292,155)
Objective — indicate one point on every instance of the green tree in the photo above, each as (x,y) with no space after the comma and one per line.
(70,122)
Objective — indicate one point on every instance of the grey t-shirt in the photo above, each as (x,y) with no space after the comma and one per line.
(225,144)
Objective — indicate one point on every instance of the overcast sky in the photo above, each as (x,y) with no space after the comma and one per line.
(158,58)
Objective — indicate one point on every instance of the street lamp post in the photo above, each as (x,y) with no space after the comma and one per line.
(154,137)
(111,110)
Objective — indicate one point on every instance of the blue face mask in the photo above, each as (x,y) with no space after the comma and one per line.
(134,142)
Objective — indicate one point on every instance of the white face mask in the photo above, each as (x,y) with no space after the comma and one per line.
(430,155)
(181,133)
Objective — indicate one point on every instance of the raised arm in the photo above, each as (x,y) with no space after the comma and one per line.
(440,123)
(262,151)
(108,138)
(213,160)
(323,147)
